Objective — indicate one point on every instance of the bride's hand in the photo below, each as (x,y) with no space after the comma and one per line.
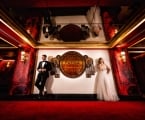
(108,70)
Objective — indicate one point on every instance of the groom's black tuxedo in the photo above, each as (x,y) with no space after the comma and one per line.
(43,68)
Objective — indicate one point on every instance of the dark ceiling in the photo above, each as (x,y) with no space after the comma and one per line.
(66,3)
(5,44)
(64,7)
(140,44)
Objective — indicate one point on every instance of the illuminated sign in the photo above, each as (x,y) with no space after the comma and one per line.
(72,64)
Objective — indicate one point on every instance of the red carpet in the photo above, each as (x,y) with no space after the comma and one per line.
(72,110)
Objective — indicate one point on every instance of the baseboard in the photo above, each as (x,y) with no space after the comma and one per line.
(51,97)
(63,97)
(135,97)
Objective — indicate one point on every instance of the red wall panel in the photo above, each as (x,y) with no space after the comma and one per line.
(126,81)
(6,73)
(23,74)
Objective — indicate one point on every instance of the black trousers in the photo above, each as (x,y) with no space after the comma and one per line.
(41,80)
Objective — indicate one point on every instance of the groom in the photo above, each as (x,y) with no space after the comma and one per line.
(43,68)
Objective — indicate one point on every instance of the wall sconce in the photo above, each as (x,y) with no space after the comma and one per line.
(45,29)
(8,64)
(123,56)
(115,30)
(28,31)
(23,56)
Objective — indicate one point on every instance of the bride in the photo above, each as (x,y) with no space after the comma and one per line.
(105,87)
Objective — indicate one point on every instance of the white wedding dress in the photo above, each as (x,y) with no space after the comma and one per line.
(105,87)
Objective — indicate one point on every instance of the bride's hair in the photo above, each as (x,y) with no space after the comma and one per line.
(99,60)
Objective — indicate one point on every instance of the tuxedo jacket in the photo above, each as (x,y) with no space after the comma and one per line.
(47,66)
(42,76)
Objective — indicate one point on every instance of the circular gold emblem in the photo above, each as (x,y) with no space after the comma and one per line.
(72,64)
